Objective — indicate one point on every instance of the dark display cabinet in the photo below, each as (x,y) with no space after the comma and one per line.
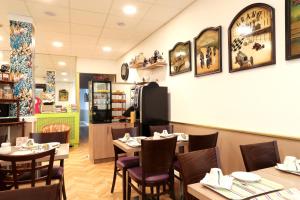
(152,106)
(100,102)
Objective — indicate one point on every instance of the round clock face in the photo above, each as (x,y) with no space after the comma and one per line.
(124,71)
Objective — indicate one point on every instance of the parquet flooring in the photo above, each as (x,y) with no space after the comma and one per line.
(88,181)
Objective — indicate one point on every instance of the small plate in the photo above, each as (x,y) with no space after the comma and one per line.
(246,176)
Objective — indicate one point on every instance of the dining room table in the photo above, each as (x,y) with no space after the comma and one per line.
(61,153)
(130,150)
(287,180)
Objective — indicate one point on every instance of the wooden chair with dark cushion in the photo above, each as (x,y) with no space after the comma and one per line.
(63,128)
(156,170)
(122,163)
(20,174)
(3,138)
(260,155)
(48,192)
(195,165)
(61,137)
(160,128)
(199,142)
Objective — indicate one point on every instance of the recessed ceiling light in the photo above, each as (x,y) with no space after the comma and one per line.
(65,79)
(62,63)
(106,49)
(129,10)
(1,38)
(57,44)
(64,73)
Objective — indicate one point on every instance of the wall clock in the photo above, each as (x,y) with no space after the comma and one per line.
(252,38)
(124,71)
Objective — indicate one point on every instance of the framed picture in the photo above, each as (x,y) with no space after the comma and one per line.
(292,29)
(251,38)
(208,51)
(63,95)
(180,58)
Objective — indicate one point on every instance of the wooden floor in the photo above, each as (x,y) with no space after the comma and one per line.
(88,181)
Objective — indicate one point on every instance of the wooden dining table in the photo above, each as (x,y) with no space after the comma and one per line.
(131,150)
(61,153)
(286,179)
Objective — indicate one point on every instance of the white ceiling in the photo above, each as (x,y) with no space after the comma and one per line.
(84,26)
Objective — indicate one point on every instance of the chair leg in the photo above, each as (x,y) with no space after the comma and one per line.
(129,188)
(64,189)
(124,183)
(172,194)
(143,192)
(158,191)
(114,179)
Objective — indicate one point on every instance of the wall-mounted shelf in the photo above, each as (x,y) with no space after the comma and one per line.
(154,66)
(6,82)
(137,65)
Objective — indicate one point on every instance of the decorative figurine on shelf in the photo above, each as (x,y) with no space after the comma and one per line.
(4,68)
(37,105)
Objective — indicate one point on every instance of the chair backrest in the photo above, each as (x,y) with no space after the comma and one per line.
(158,156)
(160,128)
(120,132)
(61,137)
(3,138)
(57,128)
(260,155)
(199,142)
(196,164)
(24,168)
(48,192)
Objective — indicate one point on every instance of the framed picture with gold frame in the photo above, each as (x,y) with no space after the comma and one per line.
(251,38)
(180,58)
(208,51)
(292,29)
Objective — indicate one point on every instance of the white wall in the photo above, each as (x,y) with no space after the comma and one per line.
(85,65)
(263,100)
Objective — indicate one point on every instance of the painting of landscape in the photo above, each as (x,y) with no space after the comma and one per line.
(293,29)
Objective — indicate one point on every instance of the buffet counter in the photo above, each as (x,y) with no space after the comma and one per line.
(69,118)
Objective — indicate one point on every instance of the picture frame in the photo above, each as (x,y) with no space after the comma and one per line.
(251,38)
(180,58)
(63,95)
(208,51)
(292,29)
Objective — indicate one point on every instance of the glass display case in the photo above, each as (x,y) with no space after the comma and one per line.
(100,102)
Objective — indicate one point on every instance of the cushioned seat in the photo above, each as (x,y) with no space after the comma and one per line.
(136,174)
(128,162)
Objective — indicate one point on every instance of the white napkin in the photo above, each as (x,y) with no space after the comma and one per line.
(133,143)
(290,163)
(213,180)
(156,135)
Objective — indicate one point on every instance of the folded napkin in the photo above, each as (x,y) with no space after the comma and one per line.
(133,143)
(217,180)
(156,135)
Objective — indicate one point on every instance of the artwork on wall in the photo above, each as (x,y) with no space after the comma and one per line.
(63,95)
(252,38)
(292,23)
(208,51)
(21,54)
(180,58)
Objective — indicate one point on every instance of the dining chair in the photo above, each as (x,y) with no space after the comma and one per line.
(160,128)
(3,138)
(25,169)
(260,155)
(121,162)
(47,192)
(61,137)
(156,168)
(199,142)
(195,165)
(57,128)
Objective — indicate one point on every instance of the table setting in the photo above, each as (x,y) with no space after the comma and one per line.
(238,185)
(290,165)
